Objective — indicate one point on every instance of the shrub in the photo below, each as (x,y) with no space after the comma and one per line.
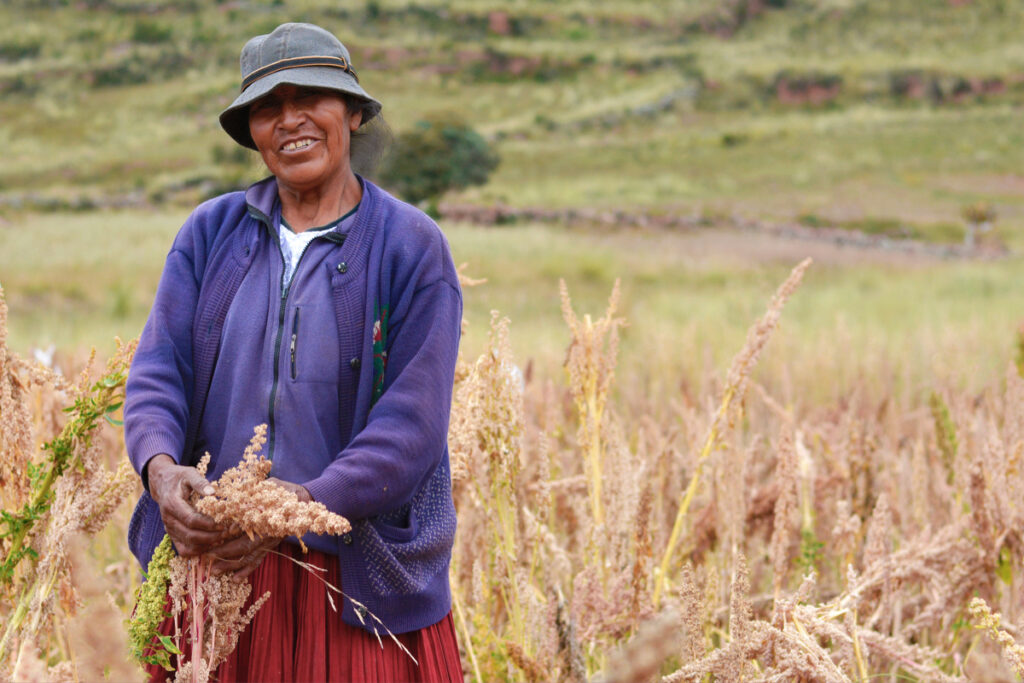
(149,32)
(21,49)
(437,156)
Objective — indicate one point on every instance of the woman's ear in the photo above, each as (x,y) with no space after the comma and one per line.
(355,119)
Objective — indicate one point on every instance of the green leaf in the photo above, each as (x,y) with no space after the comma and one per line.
(114,406)
(114,421)
(168,644)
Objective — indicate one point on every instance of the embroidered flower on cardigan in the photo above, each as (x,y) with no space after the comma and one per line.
(380,354)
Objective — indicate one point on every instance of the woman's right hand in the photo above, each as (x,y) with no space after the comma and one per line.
(171,486)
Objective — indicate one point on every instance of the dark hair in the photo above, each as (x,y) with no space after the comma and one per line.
(370,142)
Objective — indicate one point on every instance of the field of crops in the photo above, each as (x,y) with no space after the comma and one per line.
(678,453)
(614,526)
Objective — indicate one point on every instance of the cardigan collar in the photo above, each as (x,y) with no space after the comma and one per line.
(264,205)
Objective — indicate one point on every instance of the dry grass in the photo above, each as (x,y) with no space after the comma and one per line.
(799,542)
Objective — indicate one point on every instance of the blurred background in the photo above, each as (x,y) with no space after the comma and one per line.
(696,149)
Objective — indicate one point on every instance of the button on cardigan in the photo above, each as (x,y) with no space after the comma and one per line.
(383,462)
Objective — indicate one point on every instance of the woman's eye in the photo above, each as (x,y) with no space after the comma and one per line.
(263,107)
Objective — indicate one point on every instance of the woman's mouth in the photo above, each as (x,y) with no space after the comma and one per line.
(298,144)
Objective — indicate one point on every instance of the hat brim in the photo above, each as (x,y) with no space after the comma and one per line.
(235,119)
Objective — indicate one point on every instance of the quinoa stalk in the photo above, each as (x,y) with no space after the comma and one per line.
(104,397)
(735,388)
(65,451)
(712,439)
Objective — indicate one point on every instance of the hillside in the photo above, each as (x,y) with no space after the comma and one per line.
(887,115)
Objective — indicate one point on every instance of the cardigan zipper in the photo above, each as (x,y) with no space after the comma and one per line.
(277,363)
(295,339)
(285,290)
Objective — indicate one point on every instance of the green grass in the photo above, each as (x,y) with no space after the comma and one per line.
(688,298)
(788,159)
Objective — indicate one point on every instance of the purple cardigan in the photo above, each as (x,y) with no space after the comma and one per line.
(394,292)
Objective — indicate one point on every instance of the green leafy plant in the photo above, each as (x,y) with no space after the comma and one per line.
(148,645)
(436,156)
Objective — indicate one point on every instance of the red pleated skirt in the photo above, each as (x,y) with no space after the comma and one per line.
(296,636)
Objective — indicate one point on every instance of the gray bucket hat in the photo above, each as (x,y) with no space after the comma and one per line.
(296,54)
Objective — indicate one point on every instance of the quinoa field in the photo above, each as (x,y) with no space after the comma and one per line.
(741,386)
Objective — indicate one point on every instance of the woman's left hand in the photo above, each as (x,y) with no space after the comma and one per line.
(243,555)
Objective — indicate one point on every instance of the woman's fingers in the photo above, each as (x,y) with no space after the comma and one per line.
(189,541)
(241,555)
(235,548)
(189,480)
(193,533)
(245,571)
(172,486)
(196,482)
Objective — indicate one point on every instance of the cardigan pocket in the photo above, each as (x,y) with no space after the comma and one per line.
(313,345)
(400,526)
(404,560)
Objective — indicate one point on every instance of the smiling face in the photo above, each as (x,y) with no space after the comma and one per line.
(303,135)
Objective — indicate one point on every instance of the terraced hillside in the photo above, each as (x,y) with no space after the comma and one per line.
(890,116)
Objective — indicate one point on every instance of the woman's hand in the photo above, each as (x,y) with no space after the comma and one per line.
(171,485)
(243,555)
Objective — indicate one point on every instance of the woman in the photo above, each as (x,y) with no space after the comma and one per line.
(320,305)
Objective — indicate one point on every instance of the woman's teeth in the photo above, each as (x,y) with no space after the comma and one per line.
(299,144)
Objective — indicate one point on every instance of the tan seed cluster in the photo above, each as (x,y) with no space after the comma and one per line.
(243,497)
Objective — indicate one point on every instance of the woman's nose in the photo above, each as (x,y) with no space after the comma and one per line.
(291,113)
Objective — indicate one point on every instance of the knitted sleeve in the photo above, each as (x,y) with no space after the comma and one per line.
(160,381)
(406,433)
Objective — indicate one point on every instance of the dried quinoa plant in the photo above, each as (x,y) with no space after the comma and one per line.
(640,660)
(590,364)
(219,598)
(991,623)
(911,527)
(209,604)
(245,498)
(68,451)
(55,492)
(785,512)
(735,389)
(485,436)
(16,442)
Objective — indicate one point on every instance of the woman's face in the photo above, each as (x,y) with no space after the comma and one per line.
(303,135)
